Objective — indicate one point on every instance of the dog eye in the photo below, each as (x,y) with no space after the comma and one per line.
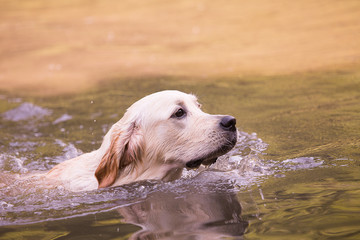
(180,113)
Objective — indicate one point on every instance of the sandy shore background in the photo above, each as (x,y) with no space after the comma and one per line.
(56,47)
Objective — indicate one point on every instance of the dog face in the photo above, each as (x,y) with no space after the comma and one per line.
(169,129)
(183,133)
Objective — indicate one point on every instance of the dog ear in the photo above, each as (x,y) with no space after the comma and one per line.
(125,148)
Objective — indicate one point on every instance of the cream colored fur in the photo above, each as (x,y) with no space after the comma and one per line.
(148,142)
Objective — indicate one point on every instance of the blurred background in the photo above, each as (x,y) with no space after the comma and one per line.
(54,47)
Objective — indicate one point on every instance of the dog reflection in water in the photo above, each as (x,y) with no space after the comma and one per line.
(165,215)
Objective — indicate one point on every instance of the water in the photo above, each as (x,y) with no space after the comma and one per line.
(294,172)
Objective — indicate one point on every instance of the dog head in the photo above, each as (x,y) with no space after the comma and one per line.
(162,132)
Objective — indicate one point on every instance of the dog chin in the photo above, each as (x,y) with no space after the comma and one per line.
(210,158)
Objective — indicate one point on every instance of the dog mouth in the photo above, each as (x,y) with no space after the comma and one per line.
(212,157)
(196,163)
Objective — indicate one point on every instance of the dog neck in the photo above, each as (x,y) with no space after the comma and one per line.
(149,169)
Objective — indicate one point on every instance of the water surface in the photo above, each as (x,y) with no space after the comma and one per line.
(294,172)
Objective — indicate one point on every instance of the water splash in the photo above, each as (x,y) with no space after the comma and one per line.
(63,118)
(242,165)
(241,168)
(245,166)
(26,111)
(69,151)
(12,163)
(245,156)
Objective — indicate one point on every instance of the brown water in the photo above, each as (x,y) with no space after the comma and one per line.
(294,173)
(62,46)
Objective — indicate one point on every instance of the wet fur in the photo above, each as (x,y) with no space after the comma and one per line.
(148,143)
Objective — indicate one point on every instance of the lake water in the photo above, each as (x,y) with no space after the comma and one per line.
(294,173)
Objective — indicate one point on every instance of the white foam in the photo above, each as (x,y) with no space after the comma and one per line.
(26,111)
(65,117)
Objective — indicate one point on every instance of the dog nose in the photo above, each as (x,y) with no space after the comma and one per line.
(228,123)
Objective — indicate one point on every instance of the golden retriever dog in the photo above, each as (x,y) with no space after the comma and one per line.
(157,137)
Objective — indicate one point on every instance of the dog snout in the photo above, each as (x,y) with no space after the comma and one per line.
(228,123)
